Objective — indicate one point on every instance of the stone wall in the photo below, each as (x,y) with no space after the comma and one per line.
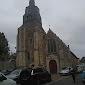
(7,65)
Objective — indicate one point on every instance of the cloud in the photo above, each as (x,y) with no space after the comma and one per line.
(65,17)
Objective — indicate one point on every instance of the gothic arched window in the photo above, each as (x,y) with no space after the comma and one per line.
(30,41)
(28,56)
(51,46)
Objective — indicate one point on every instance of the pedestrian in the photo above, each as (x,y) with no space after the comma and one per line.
(73,73)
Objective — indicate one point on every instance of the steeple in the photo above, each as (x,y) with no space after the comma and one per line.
(31,3)
(32,16)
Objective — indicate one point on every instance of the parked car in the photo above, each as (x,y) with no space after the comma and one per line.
(34,76)
(79,68)
(40,74)
(65,71)
(4,72)
(83,76)
(5,81)
(25,77)
(14,74)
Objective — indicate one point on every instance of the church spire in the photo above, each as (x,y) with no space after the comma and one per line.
(32,16)
(31,3)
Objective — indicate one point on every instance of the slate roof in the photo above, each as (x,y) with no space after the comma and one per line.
(82,60)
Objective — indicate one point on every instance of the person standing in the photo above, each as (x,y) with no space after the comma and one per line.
(73,73)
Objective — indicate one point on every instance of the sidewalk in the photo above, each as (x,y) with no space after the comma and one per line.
(57,77)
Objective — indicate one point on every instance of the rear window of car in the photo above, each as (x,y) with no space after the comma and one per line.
(29,69)
(38,70)
(25,73)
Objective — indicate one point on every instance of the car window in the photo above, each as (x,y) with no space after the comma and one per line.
(38,70)
(45,70)
(29,69)
(16,72)
(25,73)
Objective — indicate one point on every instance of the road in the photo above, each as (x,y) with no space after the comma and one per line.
(68,81)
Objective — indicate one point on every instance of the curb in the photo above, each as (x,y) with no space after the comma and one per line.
(56,81)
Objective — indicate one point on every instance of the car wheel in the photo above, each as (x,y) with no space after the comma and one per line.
(50,79)
(35,82)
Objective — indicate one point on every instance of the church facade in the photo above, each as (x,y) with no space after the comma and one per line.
(36,47)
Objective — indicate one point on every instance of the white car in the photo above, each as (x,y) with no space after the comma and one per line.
(66,70)
(5,81)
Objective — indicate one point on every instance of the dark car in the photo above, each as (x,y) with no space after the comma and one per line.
(33,76)
(40,74)
(83,75)
(25,76)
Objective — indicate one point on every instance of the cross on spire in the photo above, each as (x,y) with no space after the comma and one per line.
(31,3)
(49,26)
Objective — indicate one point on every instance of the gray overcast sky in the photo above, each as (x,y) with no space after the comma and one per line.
(65,17)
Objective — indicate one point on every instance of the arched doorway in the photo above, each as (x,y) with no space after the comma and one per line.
(53,66)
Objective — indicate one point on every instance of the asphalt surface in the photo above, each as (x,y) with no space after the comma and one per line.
(67,81)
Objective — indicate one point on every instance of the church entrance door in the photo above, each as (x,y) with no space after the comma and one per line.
(53,66)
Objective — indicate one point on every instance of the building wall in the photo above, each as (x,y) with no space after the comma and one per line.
(7,65)
(74,60)
(21,60)
(38,49)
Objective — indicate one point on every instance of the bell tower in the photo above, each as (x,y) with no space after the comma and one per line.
(32,16)
(28,37)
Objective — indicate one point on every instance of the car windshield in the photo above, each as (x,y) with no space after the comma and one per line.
(16,72)
(36,70)
(25,73)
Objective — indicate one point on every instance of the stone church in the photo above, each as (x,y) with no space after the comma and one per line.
(36,47)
